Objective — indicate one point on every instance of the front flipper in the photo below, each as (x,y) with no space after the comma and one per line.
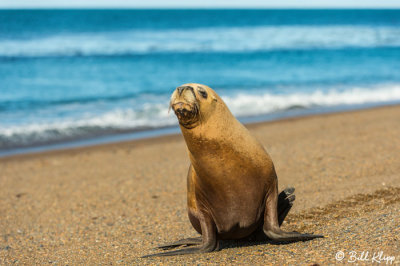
(183,251)
(209,240)
(278,235)
(183,242)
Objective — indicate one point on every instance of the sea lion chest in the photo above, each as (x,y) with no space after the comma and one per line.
(232,174)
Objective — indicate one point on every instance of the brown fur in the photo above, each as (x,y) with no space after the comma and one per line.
(230,173)
(232,184)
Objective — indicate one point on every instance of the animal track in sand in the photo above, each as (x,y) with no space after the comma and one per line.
(352,206)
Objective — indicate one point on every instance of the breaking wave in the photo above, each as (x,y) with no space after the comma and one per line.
(156,115)
(230,39)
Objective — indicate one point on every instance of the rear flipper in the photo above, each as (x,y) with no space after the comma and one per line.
(276,209)
(285,203)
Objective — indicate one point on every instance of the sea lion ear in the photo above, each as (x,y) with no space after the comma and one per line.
(214,98)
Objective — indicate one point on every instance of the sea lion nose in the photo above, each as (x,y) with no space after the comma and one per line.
(177,106)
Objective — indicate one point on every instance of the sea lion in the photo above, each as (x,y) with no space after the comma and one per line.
(232,186)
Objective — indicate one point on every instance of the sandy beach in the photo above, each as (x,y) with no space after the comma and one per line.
(112,204)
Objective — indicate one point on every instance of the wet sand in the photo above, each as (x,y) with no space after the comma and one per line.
(113,203)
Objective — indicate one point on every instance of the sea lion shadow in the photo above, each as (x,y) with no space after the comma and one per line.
(228,244)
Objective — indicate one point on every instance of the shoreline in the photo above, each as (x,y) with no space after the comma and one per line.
(114,203)
(149,135)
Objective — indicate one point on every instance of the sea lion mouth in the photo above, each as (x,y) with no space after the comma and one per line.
(186,106)
(187,113)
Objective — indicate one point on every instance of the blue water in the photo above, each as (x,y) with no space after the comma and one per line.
(80,74)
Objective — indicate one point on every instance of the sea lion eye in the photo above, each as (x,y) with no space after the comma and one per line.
(202,92)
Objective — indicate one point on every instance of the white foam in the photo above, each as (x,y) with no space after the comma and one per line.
(231,39)
(150,116)
(247,105)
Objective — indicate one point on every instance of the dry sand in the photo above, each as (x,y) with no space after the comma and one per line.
(113,203)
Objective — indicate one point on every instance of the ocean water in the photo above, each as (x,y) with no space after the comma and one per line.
(79,74)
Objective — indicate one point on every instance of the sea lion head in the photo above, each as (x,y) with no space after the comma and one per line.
(192,103)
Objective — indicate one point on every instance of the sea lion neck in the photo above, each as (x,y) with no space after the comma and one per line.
(203,136)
